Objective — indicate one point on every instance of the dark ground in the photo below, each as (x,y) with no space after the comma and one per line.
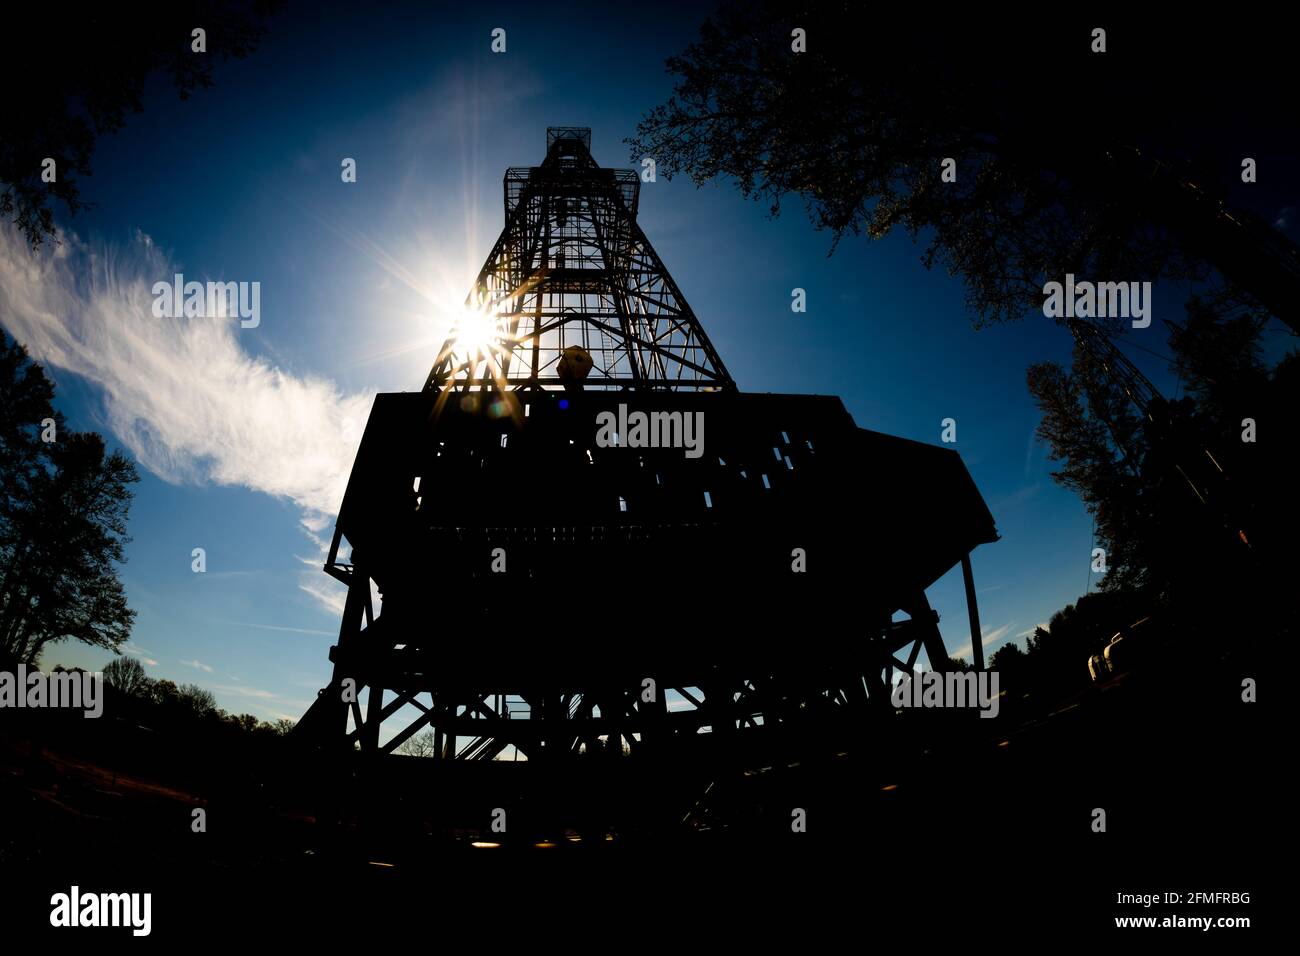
(986,836)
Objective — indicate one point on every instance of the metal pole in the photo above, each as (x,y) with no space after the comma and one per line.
(973,610)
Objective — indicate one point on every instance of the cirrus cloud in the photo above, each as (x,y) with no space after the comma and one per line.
(182,394)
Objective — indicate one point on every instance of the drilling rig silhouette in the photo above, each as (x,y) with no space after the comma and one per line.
(543,592)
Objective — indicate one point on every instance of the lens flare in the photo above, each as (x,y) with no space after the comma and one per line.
(476,332)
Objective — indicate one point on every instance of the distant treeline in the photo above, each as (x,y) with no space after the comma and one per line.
(162,702)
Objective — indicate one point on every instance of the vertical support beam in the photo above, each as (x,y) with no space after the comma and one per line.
(611,715)
(652,716)
(539,288)
(973,611)
(438,720)
(927,626)
(618,294)
(450,711)
(349,643)
(374,717)
(719,697)
(855,692)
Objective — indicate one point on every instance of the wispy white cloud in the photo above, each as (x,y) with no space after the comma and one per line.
(245,691)
(294,630)
(264,704)
(197,665)
(328,594)
(1029,449)
(331,594)
(183,394)
(1017,497)
(140,653)
(987,637)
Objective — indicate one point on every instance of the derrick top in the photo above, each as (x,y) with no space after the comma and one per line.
(570,169)
(566,135)
(573,296)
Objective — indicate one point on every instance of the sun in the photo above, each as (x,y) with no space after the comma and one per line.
(476,332)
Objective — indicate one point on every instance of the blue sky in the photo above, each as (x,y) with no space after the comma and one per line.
(244,436)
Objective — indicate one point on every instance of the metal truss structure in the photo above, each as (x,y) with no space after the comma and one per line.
(544,589)
(573,268)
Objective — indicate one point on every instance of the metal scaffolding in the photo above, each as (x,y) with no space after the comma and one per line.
(544,591)
(573,268)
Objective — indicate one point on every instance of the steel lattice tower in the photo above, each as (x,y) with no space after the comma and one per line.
(573,268)
(536,581)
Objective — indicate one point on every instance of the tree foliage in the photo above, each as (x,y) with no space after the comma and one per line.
(1007,657)
(1058,654)
(245,722)
(417,745)
(1132,473)
(201,701)
(104,57)
(1054,661)
(858,127)
(164,693)
(63,511)
(126,674)
(186,705)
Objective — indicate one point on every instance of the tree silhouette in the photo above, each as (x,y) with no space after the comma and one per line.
(417,745)
(104,57)
(245,722)
(859,125)
(1013,667)
(164,693)
(201,701)
(1057,657)
(26,410)
(1159,538)
(126,674)
(1008,657)
(1091,429)
(63,510)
